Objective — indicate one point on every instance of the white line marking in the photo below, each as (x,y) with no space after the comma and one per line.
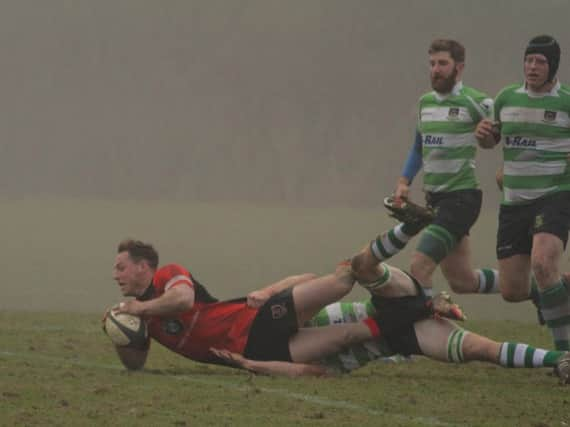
(432,421)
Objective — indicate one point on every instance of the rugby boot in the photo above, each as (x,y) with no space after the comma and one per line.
(408,212)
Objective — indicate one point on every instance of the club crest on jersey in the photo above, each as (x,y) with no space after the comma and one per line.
(549,116)
(453,113)
(172,326)
(278,311)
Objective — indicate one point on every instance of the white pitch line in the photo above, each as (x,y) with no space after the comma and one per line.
(320,401)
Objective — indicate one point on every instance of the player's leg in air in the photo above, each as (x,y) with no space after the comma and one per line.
(413,218)
(437,338)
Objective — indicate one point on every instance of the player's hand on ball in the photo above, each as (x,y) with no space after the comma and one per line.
(133,307)
(125,330)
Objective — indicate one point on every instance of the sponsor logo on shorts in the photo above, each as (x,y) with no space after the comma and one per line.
(538,221)
(278,311)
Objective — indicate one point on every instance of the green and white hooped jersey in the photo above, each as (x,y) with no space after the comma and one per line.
(535,132)
(356,355)
(447,124)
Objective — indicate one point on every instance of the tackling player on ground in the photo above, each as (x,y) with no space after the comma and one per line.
(267,331)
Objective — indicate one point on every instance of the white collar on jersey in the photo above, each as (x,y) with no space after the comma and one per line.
(454,92)
(531,94)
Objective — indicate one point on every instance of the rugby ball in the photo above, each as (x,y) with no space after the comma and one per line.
(126,330)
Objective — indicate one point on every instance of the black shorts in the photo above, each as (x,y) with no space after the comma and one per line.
(396,317)
(273,326)
(456,211)
(519,223)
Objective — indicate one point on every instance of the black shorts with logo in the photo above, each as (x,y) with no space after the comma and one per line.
(519,223)
(273,326)
(456,211)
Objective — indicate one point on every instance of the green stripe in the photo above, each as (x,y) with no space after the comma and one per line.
(450,345)
(511,354)
(444,127)
(529,353)
(394,240)
(530,181)
(489,279)
(347,310)
(562,345)
(533,130)
(554,296)
(458,346)
(382,250)
(442,234)
(558,322)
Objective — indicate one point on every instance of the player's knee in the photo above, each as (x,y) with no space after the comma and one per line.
(512,294)
(543,270)
(363,267)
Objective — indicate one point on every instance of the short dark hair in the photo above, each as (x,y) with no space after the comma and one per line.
(139,251)
(456,50)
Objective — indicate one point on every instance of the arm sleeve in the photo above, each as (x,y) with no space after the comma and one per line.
(414,161)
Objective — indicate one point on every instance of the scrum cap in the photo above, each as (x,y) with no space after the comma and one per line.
(547,46)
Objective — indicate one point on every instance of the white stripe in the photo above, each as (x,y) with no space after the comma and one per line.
(441,114)
(400,235)
(334,313)
(525,194)
(388,246)
(558,145)
(177,279)
(444,166)
(360,311)
(538,357)
(449,140)
(435,188)
(482,281)
(376,251)
(534,115)
(504,352)
(534,168)
(520,350)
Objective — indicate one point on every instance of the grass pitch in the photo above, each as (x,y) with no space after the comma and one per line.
(57,367)
(60,369)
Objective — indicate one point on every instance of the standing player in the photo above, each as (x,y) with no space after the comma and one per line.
(534,217)
(446,147)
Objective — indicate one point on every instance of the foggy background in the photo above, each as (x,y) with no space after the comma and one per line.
(247,139)
(295,101)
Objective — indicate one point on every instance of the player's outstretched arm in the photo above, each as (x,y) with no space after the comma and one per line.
(177,299)
(289,369)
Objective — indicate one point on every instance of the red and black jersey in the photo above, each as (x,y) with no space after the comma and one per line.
(209,323)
